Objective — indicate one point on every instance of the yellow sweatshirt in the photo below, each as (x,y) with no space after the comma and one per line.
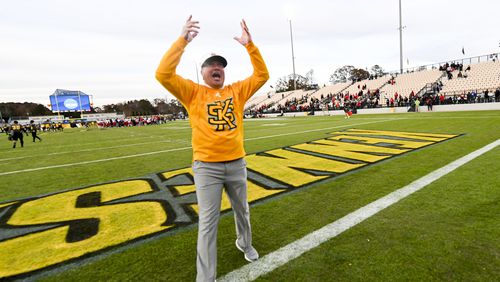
(216,115)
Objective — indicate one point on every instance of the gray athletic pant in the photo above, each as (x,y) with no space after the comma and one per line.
(209,179)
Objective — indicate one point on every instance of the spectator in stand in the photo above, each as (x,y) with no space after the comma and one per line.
(441,99)
(324,108)
(486,96)
(417,104)
(497,95)
(469,97)
(347,110)
(337,104)
(474,96)
(429,102)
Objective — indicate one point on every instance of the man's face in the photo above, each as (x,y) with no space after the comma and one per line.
(213,74)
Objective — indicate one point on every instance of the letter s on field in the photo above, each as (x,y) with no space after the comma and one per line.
(84,224)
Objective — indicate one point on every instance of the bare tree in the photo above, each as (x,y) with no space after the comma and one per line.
(377,70)
(342,74)
(286,83)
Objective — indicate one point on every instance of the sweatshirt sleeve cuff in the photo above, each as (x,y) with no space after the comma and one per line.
(250,46)
(181,42)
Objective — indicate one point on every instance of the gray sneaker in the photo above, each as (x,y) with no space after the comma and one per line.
(251,254)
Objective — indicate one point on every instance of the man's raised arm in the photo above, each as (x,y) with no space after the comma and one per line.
(166,72)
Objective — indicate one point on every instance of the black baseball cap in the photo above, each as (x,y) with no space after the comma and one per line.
(214,58)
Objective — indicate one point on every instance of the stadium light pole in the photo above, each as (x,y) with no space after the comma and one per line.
(400,39)
(293,57)
(197,77)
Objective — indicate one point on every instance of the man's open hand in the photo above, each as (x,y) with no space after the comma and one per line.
(245,34)
(190,29)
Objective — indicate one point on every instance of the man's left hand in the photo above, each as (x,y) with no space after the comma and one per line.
(245,34)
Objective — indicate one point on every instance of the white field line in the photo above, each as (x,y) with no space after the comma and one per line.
(178,149)
(86,150)
(295,249)
(94,161)
(107,140)
(117,146)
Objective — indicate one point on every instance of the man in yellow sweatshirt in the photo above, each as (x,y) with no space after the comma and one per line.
(216,118)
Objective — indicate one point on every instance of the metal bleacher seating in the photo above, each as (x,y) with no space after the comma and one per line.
(480,77)
(410,82)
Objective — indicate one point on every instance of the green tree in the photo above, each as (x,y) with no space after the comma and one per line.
(23,110)
(359,74)
(145,107)
(40,110)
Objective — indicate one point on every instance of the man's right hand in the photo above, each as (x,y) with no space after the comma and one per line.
(190,29)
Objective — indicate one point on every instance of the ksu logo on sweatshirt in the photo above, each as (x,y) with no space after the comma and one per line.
(221,115)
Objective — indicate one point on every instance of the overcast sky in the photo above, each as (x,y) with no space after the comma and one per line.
(110,49)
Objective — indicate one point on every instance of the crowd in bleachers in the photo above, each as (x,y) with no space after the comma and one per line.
(134,121)
(295,105)
(471,97)
(364,98)
(450,68)
(448,83)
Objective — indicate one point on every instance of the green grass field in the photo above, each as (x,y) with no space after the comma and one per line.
(450,230)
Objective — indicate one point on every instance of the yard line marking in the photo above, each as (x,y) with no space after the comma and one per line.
(94,161)
(295,249)
(178,149)
(108,140)
(87,150)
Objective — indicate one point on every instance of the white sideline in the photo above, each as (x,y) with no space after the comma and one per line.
(86,150)
(295,249)
(179,149)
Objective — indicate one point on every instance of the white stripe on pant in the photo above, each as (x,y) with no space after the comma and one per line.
(210,178)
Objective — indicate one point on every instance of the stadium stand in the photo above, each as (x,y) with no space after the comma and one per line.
(443,83)
(481,77)
(256,100)
(330,89)
(405,84)
(367,84)
(271,99)
(297,95)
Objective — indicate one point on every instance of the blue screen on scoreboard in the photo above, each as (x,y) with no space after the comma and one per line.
(70,103)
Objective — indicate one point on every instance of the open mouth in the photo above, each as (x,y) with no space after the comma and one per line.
(216,75)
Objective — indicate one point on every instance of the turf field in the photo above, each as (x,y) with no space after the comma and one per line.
(449,230)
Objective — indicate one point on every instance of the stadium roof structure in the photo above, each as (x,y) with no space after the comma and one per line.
(62,92)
